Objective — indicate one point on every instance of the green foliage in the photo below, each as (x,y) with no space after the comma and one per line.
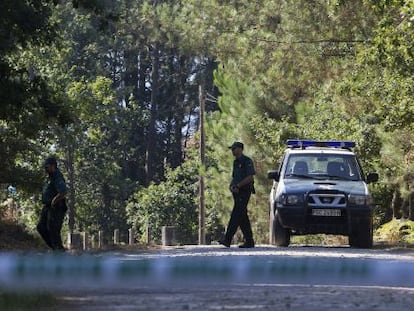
(382,194)
(382,83)
(99,70)
(279,82)
(111,88)
(170,203)
(26,100)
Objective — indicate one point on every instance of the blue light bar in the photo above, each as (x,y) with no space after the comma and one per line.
(298,143)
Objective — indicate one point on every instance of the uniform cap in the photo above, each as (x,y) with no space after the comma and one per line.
(236,144)
(50,161)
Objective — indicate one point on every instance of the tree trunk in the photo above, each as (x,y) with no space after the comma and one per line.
(177,114)
(130,75)
(177,153)
(396,204)
(150,158)
(411,206)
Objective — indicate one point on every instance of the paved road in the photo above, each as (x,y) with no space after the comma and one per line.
(216,278)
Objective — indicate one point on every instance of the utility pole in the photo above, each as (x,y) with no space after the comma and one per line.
(201,211)
(70,168)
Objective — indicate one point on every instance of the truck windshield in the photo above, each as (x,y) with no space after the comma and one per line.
(323,166)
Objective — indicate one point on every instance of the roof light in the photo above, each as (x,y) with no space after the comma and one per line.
(298,143)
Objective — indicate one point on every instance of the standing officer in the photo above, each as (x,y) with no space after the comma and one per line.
(241,186)
(54,206)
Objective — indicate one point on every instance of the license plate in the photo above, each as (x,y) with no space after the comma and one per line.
(326,212)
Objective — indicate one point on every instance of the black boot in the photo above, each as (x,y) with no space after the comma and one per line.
(247,244)
(224,242)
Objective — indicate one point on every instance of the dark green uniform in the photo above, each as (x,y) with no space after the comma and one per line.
(55,185)
(242,167)
(51,217)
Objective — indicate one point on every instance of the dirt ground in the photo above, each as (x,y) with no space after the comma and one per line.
(243,297)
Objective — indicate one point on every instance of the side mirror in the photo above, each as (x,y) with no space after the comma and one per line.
(273,175)
(372,177)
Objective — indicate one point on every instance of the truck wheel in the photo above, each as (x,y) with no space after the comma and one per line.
(281,234)
(362,236)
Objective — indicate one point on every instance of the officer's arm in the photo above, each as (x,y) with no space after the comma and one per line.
(245,181)
(60,196)
(60,186)
(250,171)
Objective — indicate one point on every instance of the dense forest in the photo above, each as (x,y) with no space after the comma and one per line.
(111,87)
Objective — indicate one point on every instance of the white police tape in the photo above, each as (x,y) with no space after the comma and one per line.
(65,271)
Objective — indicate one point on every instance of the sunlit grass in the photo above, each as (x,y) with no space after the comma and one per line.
(396,231)
(320,239)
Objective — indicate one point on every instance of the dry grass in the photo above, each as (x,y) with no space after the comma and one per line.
(13,236)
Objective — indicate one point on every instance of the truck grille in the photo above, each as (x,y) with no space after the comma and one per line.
(326,200)
(329,200)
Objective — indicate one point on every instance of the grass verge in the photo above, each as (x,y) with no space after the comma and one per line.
(13,236)
(12,301)
(396,231)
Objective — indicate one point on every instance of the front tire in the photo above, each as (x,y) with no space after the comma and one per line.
(281,234)
(362,235)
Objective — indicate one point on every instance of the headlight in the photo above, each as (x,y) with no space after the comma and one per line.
(354,199)
(291,199)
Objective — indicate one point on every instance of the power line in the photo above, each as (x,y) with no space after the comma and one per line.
(312,41)
(211,98)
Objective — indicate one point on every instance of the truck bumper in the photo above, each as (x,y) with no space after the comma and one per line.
(301,221)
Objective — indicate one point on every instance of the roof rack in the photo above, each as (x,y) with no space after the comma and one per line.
(299,143)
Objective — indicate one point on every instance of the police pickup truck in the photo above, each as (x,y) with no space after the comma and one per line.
(320,188)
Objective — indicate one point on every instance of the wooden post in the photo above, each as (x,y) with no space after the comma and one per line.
(74,241)
(116,236)
(131,236)
(201,212)
(168,235)
(92,244)
(147,233)
(85,237)
(100,239)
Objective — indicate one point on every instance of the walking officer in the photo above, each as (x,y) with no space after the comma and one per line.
(241,186)
(54,206)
